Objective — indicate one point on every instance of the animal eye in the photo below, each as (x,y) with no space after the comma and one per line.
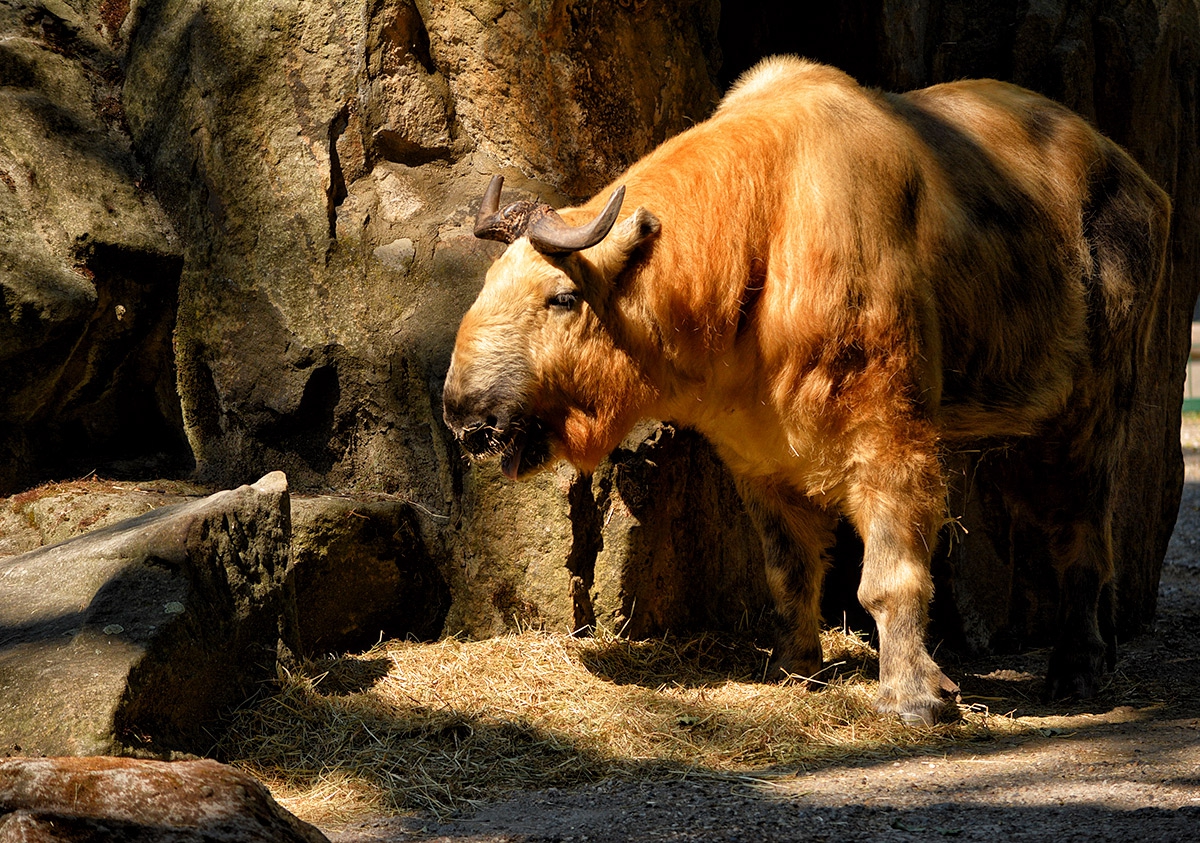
(563,300)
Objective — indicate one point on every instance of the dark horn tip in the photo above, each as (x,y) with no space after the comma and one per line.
(491,196)
(488,225)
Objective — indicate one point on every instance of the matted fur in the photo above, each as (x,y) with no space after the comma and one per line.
(837,287)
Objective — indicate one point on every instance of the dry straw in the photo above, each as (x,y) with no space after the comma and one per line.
(434,727)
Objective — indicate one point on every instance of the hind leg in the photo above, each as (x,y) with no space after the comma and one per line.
(795,537)
(1066,492)
(1086,641)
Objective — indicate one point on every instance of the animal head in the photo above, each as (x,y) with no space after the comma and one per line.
(541,366)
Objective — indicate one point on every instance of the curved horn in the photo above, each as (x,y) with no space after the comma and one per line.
(489,224)
(551,235)
(508,223)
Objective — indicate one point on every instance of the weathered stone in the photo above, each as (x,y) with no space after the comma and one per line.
(576,92)
(295,338)
(656,541)
(55,512)
(406,102)
(89,265)
(397,255)
(360,566)
(676,552)
(55,800)
(361,573)
(138,635)
(514,540)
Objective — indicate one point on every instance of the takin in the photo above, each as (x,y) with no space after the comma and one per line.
(839,287)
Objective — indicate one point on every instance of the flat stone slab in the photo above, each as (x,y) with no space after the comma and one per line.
(138,635)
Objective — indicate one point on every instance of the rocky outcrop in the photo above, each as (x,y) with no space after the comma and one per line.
(89,266)
(361,574)
(138,636)
(46,800)
(356,569)
(323,165)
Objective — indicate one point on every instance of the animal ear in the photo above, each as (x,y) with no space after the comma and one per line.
(612,254)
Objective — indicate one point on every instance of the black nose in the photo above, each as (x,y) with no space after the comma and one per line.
(461,417)
(477,432)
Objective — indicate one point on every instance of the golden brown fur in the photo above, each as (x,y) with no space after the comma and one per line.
(836,286)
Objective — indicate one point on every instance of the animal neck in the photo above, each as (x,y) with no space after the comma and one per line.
(689,329)
(612,386)
(679,310)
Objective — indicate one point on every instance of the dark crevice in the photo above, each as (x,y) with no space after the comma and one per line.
(310,430)
(841,34)
(587,541)
(110,404)
(336,193)
(406,35)
(392,146)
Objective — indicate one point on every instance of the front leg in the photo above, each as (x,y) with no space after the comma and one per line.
(899,527)
(896,589)
(796,536)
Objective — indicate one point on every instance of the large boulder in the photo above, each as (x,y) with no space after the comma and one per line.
(359,569)
(323,163)
(361,574)
(52,800)
(138,636)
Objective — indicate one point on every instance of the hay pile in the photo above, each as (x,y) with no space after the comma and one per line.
(410,726)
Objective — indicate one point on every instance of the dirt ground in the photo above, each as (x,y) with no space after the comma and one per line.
(1124,767)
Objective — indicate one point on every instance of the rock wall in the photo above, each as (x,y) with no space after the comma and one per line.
(323,163)
(89,265)
(293,184)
